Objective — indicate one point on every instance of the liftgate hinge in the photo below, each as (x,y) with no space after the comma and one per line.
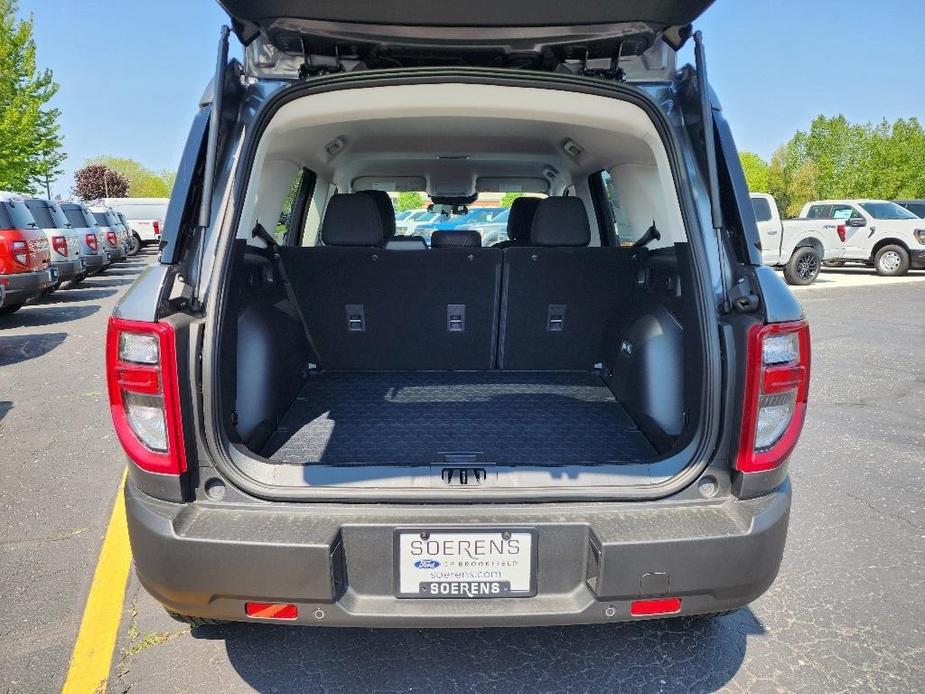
(742,295)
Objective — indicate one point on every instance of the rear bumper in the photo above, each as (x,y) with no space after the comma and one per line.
(23,286)
(115,254)
(92,263)
(69,269)
(336,561)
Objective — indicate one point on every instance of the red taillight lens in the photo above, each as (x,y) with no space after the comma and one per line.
(144,396)
(111,237)
(157,227)
(655,606)
(776,392)
(271,610)
(842,232)
(20,250)
(92,241)
(59,245)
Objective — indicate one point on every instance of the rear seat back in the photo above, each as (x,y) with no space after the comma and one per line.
(371,308)
(560,295)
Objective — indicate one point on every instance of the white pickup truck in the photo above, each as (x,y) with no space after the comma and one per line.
(797,245)
(879,233)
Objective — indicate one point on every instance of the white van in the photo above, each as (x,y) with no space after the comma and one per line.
(145,217)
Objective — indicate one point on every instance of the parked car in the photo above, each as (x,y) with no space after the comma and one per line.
(469,219)
(409,225)
(143,218)
(65,245)
(325,431)
(24,256)
(132,243)
(880,234)
(92,239)
(113,232)
(916,207)
(797,245)
(494,231)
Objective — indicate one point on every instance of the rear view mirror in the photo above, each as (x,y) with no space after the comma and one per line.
(856,222)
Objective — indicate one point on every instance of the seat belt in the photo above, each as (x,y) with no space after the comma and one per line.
(273,246)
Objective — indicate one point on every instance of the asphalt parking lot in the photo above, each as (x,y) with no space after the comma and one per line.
(846,613)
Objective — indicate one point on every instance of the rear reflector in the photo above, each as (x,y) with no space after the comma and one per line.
(141,372)
(776,392)
(271,610)
(655,606)
(157,228)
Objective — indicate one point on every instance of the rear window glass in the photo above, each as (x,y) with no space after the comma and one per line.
(762,209)
(42,214)
(76,217)
(102,219)
(818,212)
(916,208)
(15,215)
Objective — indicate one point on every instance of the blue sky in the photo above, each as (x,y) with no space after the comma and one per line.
(131,72)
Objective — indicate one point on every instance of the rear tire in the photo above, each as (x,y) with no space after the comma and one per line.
(803,266)
(195,621)
(892,261)
(7,310)
(134,244)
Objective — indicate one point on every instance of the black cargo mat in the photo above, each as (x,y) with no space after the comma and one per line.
(410,417)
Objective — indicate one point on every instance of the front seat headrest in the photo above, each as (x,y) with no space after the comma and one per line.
(561,222)
(456,238)
(351,219)
(520,219)
(386,211)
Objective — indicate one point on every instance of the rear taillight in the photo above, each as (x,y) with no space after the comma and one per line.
(157,228)
(59,245)
(20,251)
(776,390)
(141,371)
(842,231)
(92,242)
(112,238)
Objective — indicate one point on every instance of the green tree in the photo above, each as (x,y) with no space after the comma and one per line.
(30,138)
(509,199)
(756,171)
(143,182)
(409,201)
(835,158)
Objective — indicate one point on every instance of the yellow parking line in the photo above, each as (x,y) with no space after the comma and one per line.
(92,655)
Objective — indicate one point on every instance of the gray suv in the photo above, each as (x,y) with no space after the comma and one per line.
(328,423)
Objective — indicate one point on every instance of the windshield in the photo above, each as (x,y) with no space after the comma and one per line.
(887,210)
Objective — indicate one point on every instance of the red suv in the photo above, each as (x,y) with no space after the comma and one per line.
(24,256)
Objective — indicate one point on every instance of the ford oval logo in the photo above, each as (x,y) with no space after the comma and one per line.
(427,564)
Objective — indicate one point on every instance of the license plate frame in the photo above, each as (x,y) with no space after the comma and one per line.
(484,531)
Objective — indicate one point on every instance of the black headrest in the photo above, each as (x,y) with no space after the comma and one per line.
(351,220)
(561,222)
(456,238)
(406,243)
(520,219)
(386,211)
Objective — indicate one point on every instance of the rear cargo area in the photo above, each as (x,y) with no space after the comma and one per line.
(420,417)
(358,351)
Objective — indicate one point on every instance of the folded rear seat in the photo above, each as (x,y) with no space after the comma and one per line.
(371,308)
(560,295)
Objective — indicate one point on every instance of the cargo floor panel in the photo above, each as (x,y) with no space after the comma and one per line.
(412,417)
